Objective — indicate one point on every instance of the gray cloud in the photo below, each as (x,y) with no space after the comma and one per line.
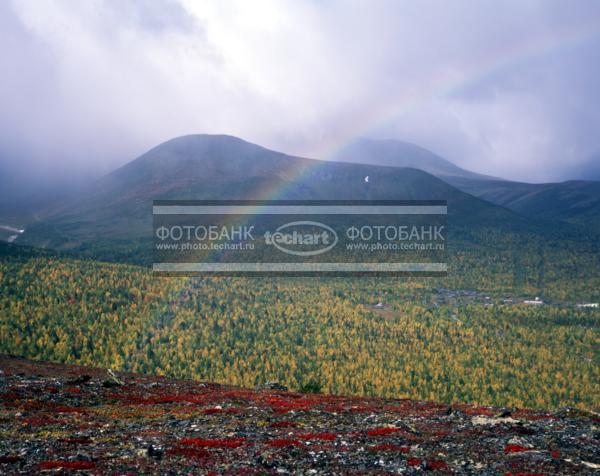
(505,88)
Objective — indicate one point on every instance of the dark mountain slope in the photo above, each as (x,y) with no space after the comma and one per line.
(224,167)
(588,170)
(576,202)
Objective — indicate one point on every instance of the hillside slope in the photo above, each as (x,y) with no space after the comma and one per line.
(223,167)
(575,202)
(587,170)
(75,418)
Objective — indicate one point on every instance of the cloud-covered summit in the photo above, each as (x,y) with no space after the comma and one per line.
(502,88)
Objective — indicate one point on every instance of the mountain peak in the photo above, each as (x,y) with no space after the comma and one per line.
(396,153)
(197,145)
(202,139)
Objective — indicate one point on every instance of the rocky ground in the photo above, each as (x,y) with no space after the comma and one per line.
(59,418)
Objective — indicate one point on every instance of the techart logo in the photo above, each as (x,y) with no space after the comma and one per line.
(302,238)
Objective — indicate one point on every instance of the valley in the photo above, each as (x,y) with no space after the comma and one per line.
(481,335)
(513,325)
(327,333)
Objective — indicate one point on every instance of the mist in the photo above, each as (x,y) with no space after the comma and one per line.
(502,88)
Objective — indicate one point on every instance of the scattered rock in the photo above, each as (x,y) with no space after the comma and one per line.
(272,386)
(80,380)
(184,427)
(114,378)
(520,441)
(485,420)
(155,452)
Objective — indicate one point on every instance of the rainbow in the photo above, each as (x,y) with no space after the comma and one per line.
(506,58)
(509,56)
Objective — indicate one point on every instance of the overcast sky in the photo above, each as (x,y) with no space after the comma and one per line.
(508,88)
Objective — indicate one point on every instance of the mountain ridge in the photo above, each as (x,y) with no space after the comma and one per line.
(226,167)
(576,202)
(396,153)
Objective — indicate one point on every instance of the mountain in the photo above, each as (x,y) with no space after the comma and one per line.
(118,207)
(588,170)
(26,195)
(576,201)
(396,153)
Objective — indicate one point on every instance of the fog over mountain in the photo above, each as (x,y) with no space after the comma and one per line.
(506,88)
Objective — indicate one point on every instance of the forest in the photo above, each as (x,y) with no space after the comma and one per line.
(388,337)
